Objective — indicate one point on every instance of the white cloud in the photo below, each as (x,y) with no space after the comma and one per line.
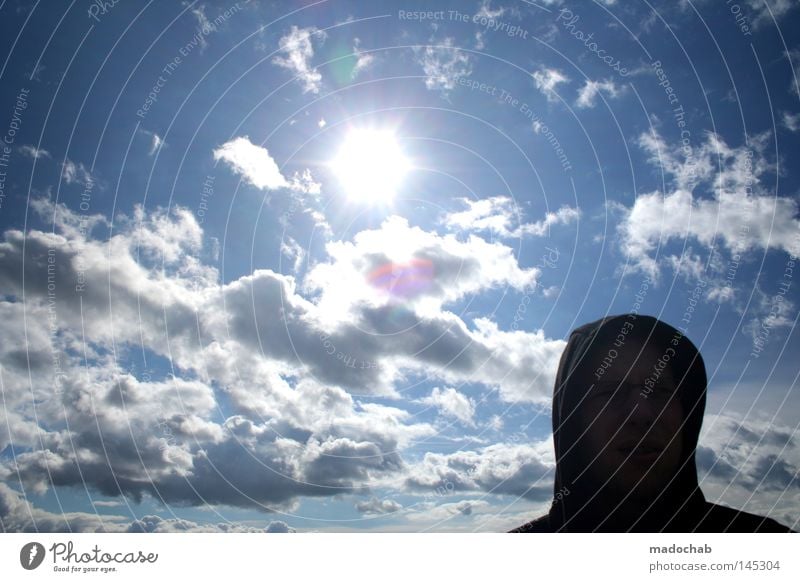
(548,80)
(563,215)
(293,251)
(252,162)
(499,214)
(485,10)
(363,60)
(791,121)
(444,65)
(204,25)
(401,262)
(156,141)
(452,403)
(738,456)
(759,12)
(480,40)
(156,144)
(590,90)
(496,214)
(720,293)
(375,506)
(19,515)
(741,215)
(276,438)
(768,312)
(278,527)
(34,152)
(166,238)
(518,470)
(73,173)
(793,56)
(442,513)
(298,50)
(294,426)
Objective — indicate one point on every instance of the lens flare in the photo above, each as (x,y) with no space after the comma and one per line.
(403,280)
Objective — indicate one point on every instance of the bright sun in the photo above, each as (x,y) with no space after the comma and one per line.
(370,165)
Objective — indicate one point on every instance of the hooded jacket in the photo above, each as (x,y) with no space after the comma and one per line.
(582,505)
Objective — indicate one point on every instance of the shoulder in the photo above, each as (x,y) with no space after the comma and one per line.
(721,518)
(540,524)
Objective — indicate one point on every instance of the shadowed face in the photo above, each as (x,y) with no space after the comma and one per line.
(633,422)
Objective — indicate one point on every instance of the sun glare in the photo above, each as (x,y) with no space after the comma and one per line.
(370,165)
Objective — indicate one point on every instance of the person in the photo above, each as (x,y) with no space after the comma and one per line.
(628,403)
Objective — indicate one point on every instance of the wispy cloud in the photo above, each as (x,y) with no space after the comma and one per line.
(156,141)
(76,173)
(298,50)
(791,121)
(444,64)
(364,60)
(590,90)
(34,152)
(500,215)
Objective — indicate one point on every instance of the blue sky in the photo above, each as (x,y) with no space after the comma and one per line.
(310,266)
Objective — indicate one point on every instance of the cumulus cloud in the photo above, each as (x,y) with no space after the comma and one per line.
(18,515)
(518,470)
(95,424)
(401,262)
(444,64)
(738,456)
(740,214)
(289,375)
(548,80)
(297,51)
(279,527)
(252,162)
(375,506)
(257,167)
(290,380)
(453,404)
(496,215)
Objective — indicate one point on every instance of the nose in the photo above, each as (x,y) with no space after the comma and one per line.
(642,410)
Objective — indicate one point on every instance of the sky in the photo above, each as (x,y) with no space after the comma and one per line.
(310,266)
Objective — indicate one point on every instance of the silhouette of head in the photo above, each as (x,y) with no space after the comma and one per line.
(627,409)
(633,430)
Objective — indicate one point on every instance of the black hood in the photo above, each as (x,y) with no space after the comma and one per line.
(582,505)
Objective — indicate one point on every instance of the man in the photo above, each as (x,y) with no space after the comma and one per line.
(628,403)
